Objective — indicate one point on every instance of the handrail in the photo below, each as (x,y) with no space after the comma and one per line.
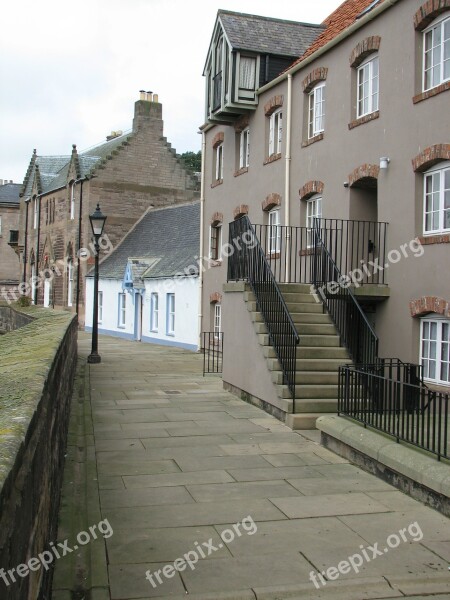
(249,262)
(212,348)
(355,330)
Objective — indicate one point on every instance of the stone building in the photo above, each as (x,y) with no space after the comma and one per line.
(126,175)
(352,138)
(9,225)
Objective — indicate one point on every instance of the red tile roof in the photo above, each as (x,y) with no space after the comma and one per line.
(339,20)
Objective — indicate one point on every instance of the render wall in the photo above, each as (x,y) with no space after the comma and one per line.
(402,130)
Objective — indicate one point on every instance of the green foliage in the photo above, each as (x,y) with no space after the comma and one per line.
(193,161)
(24,301)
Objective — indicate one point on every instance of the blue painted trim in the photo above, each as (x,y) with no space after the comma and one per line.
(111,332)
(183,345)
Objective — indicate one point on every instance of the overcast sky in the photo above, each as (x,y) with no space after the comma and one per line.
(71,72)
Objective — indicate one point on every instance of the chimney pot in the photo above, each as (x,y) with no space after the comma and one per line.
(155,97)
(142,95)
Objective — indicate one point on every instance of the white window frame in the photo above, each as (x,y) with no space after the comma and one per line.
(369,87)
(274,232)
(438,48)
(170,307)
(435,349)
(436,175)
(219,162)
(244,148)
(316,110)
(69,282)
(33,283)
(217,321)
(313,210)
(275,132)
(215,253)
(47,292)
(35,213)
(154,312)
(100,307)
(122,306)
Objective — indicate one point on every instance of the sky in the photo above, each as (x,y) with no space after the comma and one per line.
(71,72)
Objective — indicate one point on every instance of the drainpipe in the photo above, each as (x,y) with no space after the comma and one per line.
(77,301)
(38,200)
(25,244)
(202,220)
(287,179)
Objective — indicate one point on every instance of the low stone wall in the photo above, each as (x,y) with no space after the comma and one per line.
(37,368)
(11,319)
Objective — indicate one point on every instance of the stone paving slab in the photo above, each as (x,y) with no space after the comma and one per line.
(182,463)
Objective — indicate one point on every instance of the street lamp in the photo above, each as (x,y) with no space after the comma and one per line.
(97,220)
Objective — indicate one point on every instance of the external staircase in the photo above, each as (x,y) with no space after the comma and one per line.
(319,356)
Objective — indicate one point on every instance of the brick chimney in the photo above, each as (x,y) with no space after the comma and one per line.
(148,111)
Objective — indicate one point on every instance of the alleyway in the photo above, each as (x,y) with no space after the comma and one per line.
(183,470)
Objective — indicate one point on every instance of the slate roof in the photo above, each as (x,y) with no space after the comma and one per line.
(345,15)
(9,193)
(169,235)
(267,35)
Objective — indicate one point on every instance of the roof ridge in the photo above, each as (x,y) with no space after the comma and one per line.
(265,18)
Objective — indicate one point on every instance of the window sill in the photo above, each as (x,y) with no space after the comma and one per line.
(273,255)
(436,238)
(312,140)
(364,119)
(241,171)
(216,183)
(272,158)
(437,387)
(170,334)
(121,326)
(443,87)
(215,263)
(307,251)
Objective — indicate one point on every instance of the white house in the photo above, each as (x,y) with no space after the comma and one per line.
(148,286)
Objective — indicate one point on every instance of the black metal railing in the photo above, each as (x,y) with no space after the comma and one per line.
(357,247)
(13,237)
(354,329)
(212,348)
(249,262)
(395,405)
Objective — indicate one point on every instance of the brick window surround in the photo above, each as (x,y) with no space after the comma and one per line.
(242,123)
(218,139)
(216,218)
(361,173)
(363,49)
(271,201)
(310,189)
(240,211)
(430,156)
(319,74)
(272,105)
(215,298)
(429,304)
(428,12)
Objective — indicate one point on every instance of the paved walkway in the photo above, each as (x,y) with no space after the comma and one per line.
(187,474)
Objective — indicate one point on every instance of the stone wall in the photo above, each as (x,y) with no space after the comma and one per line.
(36,378)
(11,319)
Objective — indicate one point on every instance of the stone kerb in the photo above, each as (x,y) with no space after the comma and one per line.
(36,379)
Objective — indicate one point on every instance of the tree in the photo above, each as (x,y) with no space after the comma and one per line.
(192,160)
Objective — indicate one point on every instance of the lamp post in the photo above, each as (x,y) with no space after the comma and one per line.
(97,220)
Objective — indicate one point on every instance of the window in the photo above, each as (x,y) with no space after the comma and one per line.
(313,211)
(219,162)
(435,350)
(316,116)
(35,213)
(436,58)
(244,148)
(154,311)
(72,200)
(33,283)
(275,132)
(122,309)
(367,101)
(0,226)
(274,231)
(215,242)
(100,307)
(47,292)
(170,314)
(437,199)
(69,282)
(217,321)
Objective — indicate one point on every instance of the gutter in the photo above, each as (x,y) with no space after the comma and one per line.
(334,42)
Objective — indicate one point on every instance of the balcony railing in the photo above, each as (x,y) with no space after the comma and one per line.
(358,249)
(212,348)
(392,399)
